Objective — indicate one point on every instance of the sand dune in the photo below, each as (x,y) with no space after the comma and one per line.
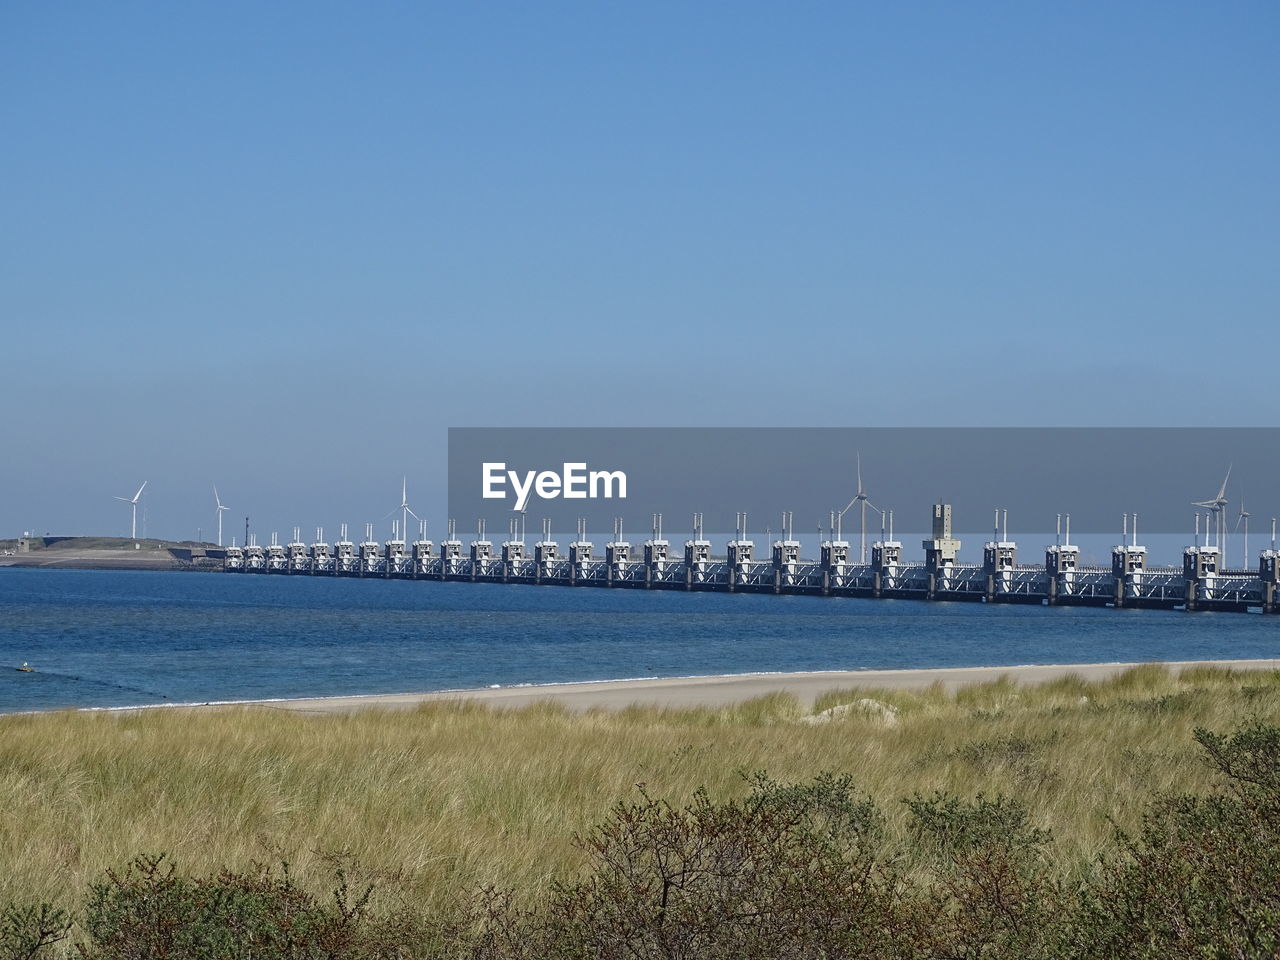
(720,690)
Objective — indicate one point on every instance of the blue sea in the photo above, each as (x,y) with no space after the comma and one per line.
(113,638)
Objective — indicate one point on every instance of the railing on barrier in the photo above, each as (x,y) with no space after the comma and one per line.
(1023,582)
(961,580)
(1163,586)
(1226,588)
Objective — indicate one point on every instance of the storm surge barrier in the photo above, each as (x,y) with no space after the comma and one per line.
(1202,582)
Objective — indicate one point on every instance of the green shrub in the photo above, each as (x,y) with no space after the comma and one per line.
(793,870)
(989,892)
(27,932)
(1250,757)
(150,911)
(1202,878)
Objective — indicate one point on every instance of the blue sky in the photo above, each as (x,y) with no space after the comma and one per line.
(282,247)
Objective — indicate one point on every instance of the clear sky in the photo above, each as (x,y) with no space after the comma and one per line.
(283,246)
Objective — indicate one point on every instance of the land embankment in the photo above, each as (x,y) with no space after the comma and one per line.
(108,553)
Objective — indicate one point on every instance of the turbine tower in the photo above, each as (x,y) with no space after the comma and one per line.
(133,528)
(405,511)
(1218,506)
(1244,518)
(861,498)
(221,507)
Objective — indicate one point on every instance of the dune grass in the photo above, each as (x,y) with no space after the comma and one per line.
(433,802)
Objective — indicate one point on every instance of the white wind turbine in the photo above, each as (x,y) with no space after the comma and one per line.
(405,511)
(862,498)
(1218,507)
(133,529)
(221,507)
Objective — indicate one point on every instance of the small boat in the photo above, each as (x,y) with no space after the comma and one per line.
(26,668)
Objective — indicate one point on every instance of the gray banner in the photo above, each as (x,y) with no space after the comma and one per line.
(1094,474)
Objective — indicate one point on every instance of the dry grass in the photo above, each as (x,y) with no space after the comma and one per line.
(449,796)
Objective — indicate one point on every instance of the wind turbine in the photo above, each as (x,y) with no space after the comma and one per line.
(862,498)
(1244,518)
(1218,506)
(221,507)
(133,529)
(405,511)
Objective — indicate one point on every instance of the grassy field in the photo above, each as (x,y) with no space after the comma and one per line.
(441,799)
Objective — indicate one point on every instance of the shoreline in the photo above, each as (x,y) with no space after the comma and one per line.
(682,692)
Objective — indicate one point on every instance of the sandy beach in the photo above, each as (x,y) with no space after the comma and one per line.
(721,690)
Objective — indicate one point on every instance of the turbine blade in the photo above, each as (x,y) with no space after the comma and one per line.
(123,499)
(140,489)
(389,513)
(412,514)
(859,471)
(1223,491)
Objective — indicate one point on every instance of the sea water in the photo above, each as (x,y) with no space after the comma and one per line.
(117,638)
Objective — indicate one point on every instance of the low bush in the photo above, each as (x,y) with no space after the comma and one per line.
(27,932)
(1202,878)
(150,911)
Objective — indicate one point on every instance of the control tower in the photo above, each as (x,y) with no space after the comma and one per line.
(513,553)
(617,554)
(1061,562)
(1128,565)
(546,554)
(999,558)
(481,552)
(423,552)
(786,555)
(451,553)
(940,550)
(697,555)
(580,555)
(657,553)
(740,554)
